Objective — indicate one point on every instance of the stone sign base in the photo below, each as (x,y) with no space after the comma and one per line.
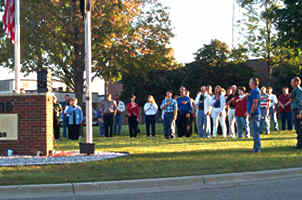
(34,122)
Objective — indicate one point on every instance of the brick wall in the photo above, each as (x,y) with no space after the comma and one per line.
(35,124)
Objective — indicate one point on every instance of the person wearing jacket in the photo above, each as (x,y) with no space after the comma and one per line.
(150,109)
(133,114)
(75,119)
(203,104)
(218,113)
(57,109)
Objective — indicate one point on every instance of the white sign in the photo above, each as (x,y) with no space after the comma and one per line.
(8,127)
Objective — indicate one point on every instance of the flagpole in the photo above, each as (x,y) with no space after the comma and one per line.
(88,57)
(17,46)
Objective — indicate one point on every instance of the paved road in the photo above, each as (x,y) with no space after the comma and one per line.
(284,189)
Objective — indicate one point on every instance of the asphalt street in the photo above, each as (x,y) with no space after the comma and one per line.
(283,189)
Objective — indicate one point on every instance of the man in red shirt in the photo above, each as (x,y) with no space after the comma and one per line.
(284,109)
(240,103)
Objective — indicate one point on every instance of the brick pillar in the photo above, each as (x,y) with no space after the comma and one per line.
(35,123)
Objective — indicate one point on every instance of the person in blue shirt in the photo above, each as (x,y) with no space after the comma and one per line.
(185,110)
(75,119)
(169,110)
(296,106)
(254,113)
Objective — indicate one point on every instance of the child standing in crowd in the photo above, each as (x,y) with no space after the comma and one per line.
(264,107)
(218,112)
(75,119)
(150,109)
(133,114)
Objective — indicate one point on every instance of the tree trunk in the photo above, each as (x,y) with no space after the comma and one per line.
(106,87)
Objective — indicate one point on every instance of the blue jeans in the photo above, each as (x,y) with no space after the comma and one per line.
(273,116)
(150,121)
(203,124)
(118,122)
(168,119)
(101,129)
(264,120)
(286,117)
(255,131)
(242,125)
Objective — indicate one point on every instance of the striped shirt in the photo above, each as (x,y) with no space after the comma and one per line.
(264,101)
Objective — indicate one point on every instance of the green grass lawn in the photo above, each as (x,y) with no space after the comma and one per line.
(158,157)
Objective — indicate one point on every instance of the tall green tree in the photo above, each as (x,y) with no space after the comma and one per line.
(260,32)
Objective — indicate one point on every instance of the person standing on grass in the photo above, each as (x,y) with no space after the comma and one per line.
(285,110)
(264,107)
(231,111)
(203,105)
(69,127)
(65,104)
(240,113)
(57,110)
(254,113)
(75,119)
(150,109)
(273,107)
(218,112)
(133,116)
(100,119)
(109,112)
(118,119)
(296,106)
(184,113)
(169,107)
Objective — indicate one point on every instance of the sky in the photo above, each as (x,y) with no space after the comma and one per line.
(197,22)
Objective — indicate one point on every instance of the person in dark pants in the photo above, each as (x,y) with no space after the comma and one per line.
(65,105)
(150,109)
(184,114)
(57,109)
(285,110)
(169,112)
(109,111)
(75,119)
(133,113)
(296,106)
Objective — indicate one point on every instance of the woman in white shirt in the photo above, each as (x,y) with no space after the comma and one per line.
(150,109)
(218,113)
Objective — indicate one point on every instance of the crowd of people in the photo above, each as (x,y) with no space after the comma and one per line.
(235,111)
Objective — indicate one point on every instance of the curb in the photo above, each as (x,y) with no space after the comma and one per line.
(111,186)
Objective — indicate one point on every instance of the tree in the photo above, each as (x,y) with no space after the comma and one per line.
(126,36)
(261,35)
(289,23)
(215,54)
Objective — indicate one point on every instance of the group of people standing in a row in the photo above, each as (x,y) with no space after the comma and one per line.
(246,113)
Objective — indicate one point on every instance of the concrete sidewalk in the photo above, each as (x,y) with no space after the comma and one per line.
(23,191)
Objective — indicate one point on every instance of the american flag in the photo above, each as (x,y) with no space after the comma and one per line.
(9,19)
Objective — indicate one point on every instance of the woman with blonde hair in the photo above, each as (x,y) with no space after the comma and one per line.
(218,112)
(150,109)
